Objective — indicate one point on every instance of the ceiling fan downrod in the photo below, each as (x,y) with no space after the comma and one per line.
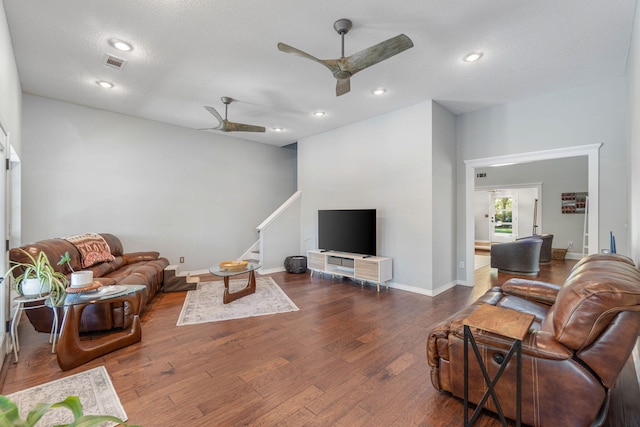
(342,27)
(226,101)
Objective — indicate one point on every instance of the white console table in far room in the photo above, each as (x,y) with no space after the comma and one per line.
(374,269)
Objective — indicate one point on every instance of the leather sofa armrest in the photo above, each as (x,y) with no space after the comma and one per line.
(440,331)
(133,257)
(539,344)
(542,292)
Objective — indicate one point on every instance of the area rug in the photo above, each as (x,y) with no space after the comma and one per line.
(204,304)
(481,261)
(93,387)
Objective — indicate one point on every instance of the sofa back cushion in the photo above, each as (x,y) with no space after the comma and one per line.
(595,292)
(114,244)
(53,249)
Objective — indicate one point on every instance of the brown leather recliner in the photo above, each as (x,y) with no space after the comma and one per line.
(582,335)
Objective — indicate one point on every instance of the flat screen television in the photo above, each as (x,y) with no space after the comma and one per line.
(347,230)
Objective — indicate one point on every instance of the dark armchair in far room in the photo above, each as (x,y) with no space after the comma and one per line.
(519,257)
(545,249)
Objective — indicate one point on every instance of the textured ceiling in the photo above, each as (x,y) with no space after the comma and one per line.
(189,53)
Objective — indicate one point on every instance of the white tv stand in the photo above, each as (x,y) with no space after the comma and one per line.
(361,267)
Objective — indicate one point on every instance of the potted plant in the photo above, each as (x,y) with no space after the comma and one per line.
(38,276)
(79,279)
(9,414)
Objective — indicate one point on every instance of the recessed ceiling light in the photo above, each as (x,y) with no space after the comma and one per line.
(473,56)
(120,45)
(379,91)
(277,129)
(319,113)
(104,84)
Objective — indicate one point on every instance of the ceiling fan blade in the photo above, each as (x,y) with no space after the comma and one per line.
(215,114)
(343,86)
(331,64)
(241,127)
(376,53)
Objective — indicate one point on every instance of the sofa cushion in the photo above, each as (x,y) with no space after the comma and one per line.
(93,248)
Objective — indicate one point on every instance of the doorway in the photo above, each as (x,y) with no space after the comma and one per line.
(591,151)
(503,221)
(4,235)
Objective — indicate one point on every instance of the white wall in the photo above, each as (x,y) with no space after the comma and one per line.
(584,115)
(443,215)
(159,187)
(10,89)
(633,100)
(382,163)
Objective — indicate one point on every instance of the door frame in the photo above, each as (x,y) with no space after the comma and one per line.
(514,216)
(5,295)
(516,187)
(592,151)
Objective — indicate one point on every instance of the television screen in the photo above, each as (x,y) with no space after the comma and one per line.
(347,230)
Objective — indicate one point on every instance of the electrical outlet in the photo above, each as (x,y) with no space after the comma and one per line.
(570,245)
(181,260)
(461,264)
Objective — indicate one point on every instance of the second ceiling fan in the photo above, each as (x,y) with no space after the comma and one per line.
(343,68)
(227,126)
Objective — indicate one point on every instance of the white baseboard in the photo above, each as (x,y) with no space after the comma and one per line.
(270,270)
(573,255)
(422,291)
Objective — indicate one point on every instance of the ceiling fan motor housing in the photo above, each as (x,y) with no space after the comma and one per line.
(342,26)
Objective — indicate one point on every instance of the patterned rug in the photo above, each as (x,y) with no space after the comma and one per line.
(93,387)
(481,261)
(204,304)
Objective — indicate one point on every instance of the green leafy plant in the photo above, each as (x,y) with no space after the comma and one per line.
(39,268)
(10,416)
(66,259)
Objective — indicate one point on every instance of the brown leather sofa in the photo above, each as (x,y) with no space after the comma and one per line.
(583,333)
(135,268)
(518,257)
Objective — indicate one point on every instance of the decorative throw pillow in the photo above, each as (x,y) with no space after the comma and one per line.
(92,247)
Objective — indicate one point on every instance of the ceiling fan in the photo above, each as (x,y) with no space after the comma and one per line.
(343,68)
(227,126)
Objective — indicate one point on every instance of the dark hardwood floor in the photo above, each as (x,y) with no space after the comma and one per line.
(349,357)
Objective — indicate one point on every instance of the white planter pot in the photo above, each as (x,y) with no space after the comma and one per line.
(81,279)
(32,287)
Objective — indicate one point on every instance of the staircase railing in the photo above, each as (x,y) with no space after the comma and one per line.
(279,236)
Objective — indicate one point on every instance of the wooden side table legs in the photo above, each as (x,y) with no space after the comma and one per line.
(248,290)
(73,352)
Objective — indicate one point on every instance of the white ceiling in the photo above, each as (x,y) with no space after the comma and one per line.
(189,53)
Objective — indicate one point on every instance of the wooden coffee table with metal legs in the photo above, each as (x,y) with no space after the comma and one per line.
(229,296)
